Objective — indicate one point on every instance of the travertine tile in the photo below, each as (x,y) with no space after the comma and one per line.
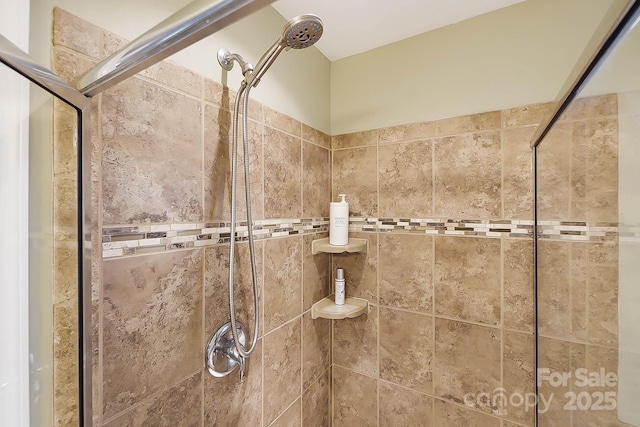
(355,174)
(315,136)
(70,66)
(216,282)
(352,402)
(406,271)
(76,33)
(473,123)
(407,132)
(65,154)
(554,173)
(316,272)
(402,407)
(601,139)
(282,176)
(355,343)
(518,377)
(467,278)
(176,76)
(282,370)
(111,43)
(449,414)
(282,280)
(406,349)
(65,213)
(316,181)
(405,180)
(467,360)
(220,95)
(217,163)
(360,270)
(517,303)
(65,364)
(231,402)
(316,401)
(579,267)
(180,405)
(527,115)
(554,300)
(152,165)
(316,350)
(603,305)
(218,167)
(468,176)
(355,139)
(152,325)
(517,179)
(579,169)
(557,358)
(603,253)
(65,276)
(292,417)
(282,122)
(256,172)
(592,106)
(598,360)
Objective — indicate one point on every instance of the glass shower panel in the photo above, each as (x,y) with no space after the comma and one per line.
(38,304)
(588,266)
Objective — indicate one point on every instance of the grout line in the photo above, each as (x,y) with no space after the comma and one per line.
(502,180)
(302,323)
(378,326)
(100,284)
(502,331)
(204,333)
(152,396)
(433,328)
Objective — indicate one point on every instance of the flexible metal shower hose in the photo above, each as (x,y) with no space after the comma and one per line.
(234,164)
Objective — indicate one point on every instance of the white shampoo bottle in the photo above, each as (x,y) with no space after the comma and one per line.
(339,222)
(339,286)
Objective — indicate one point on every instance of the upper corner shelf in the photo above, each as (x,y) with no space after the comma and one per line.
(354,246)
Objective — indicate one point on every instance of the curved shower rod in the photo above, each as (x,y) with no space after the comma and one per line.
(190,24)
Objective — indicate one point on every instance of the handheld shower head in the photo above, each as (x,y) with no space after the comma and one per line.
(300,32)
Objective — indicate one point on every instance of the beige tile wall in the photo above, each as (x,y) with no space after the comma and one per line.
(453,314)
(164,157)
(579,280)
(450,315)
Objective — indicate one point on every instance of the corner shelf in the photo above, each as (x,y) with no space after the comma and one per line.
(354,246)
(327,308)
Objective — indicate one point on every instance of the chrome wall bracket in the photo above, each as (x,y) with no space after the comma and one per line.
(221,354)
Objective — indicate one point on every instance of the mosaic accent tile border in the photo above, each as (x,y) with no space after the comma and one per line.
(463,227)
(140,239)
(120,241)
(555,230)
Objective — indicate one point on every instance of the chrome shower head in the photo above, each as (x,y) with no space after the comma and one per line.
(302,31)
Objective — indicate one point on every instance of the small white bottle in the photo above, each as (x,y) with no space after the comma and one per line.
(339,286)
(339,222)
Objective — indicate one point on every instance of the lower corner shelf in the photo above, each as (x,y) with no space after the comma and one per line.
(327,308)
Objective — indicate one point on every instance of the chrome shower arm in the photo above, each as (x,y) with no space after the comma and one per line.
(226,60)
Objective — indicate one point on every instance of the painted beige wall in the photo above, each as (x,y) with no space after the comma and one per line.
(514,56)
(297,84)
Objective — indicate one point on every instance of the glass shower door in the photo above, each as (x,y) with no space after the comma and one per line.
(588,250)
(43,366)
